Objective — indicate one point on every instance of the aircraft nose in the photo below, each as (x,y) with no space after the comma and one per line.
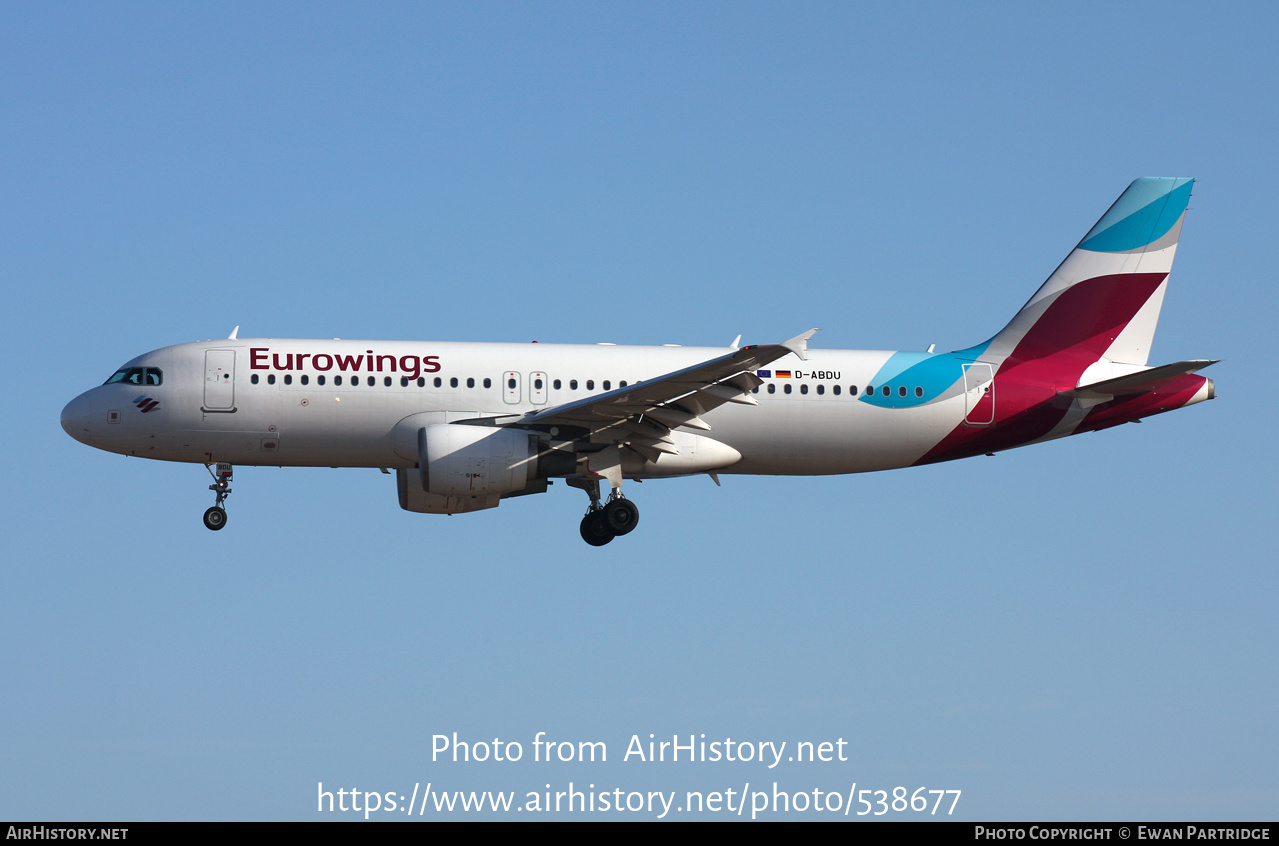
(77,419)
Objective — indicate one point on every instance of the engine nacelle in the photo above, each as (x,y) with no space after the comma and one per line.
(475,461)
(413,498)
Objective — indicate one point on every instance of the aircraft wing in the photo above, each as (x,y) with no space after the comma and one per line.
(641,415)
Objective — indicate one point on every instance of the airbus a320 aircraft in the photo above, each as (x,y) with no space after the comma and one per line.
(466,425)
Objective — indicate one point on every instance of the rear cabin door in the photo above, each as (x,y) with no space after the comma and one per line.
(979,392)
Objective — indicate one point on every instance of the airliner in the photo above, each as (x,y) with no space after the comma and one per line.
(467,425)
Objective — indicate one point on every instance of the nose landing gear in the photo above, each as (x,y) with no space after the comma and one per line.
(215,517)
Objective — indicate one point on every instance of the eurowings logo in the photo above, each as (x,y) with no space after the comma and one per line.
(145,403)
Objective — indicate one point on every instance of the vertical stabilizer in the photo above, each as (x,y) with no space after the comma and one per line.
(1103,301)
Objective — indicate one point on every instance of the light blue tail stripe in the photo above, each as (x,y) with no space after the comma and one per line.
(934,372)
(1147,210)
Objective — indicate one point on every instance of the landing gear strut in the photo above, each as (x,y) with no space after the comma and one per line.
(215,517)
(604,522)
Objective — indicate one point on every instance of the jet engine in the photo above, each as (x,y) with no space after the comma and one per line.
(468,468)
(413,498)
(463,460)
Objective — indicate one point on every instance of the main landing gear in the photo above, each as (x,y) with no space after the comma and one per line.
(215,517)
(602,523)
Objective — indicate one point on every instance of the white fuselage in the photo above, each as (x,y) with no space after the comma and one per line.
(278,402)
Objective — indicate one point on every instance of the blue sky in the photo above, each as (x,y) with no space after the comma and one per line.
(1082,630)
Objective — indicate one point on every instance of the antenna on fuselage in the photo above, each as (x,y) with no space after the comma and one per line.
(234,332)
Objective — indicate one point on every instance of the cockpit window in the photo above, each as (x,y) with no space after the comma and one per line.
(129,376)
(136,376)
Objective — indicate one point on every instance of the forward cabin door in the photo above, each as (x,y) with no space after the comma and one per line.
(219,380)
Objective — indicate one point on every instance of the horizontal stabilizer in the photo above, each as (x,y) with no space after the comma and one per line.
(1140,382)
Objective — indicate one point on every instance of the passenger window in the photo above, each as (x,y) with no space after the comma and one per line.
(438,382)
(254,378)
(319,380)
(386,380)
(288,378)
(306,379)
(556,384)
(787,388)
(919,392)
(621,384)
(835,390)
(852,390)
(488,383)
(608,385)
(453,382)
(337,380)
(421,382)
(885,390)
(510,383)
(404,381)
(270,380)
(590,384)
(803,389)
(572,384)
(470,383)
(821,389)
(901,392)
(537,383)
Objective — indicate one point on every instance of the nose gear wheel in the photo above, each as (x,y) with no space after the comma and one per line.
(215,517)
